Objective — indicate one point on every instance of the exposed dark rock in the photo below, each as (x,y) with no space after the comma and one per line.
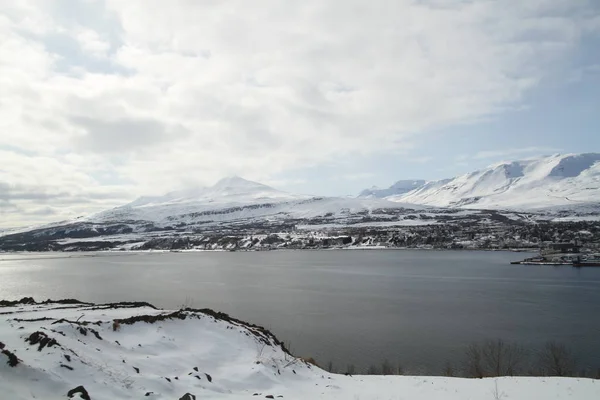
(195,369)
(32,319)
(42,339)
(269,396)
(81,390)
(136,369)
(13,361)
(31,300)
(95,332)
(66,366)
(67,357)
(153,318)
(188,396)
(123,304)
(23,301)
(64,301)
(148,393)
(82,323)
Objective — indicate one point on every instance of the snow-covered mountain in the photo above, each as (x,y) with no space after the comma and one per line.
(236,214)
(397,188)
(228,190)
(235,199)
(557,181)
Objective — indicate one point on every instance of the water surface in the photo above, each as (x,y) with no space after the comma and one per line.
(417,308)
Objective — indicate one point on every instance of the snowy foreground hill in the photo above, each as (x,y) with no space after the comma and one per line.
(557,181)
(68,349)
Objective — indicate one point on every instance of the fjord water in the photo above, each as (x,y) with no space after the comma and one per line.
(417,308)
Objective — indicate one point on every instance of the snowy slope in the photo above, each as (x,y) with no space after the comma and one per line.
(397,188)
(233,199)
(569,180)
(164,355)
(228,190)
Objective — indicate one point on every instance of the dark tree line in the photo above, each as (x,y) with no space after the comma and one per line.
(493,358)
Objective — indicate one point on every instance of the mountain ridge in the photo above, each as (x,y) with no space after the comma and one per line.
(559,180)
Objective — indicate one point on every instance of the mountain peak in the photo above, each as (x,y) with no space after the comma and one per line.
(555,180)
(398,188)
(234,181)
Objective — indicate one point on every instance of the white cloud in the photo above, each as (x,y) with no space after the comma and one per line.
(164,94)
(92,43)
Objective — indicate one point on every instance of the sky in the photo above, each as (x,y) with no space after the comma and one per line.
(103,101)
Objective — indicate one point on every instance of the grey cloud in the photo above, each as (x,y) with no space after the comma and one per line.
(11,193)
(20,192)
(33,204)
(44,211)
(120,135)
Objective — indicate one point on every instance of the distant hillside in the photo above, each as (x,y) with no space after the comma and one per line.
(557,181)
(397,188)
(236,214)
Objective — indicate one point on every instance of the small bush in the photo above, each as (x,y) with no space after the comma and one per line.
(449,370)
(556,359)
(387,368)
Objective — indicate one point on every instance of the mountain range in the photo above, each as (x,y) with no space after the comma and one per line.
(506,200)
(569,180)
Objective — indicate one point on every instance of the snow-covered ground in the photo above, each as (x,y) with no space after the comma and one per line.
(58,347)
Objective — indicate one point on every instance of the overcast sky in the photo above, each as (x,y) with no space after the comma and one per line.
(102,101)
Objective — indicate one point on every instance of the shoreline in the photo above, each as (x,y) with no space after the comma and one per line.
(114,253)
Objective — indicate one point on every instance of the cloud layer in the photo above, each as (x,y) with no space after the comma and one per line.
(102,101)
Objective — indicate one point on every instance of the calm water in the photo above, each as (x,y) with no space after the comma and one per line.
(420,308)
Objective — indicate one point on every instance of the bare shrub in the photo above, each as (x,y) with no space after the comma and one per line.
(449,370)
(556,359)
(494,358)
(188,303)
(473,361)
(116,325)
(387,368)
(501,358)
(400,369)
(330,367)
(350,369)
(373,370)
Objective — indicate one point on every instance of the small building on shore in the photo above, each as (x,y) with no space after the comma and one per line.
(562,248)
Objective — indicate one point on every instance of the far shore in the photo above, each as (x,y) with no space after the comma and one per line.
(48,255)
